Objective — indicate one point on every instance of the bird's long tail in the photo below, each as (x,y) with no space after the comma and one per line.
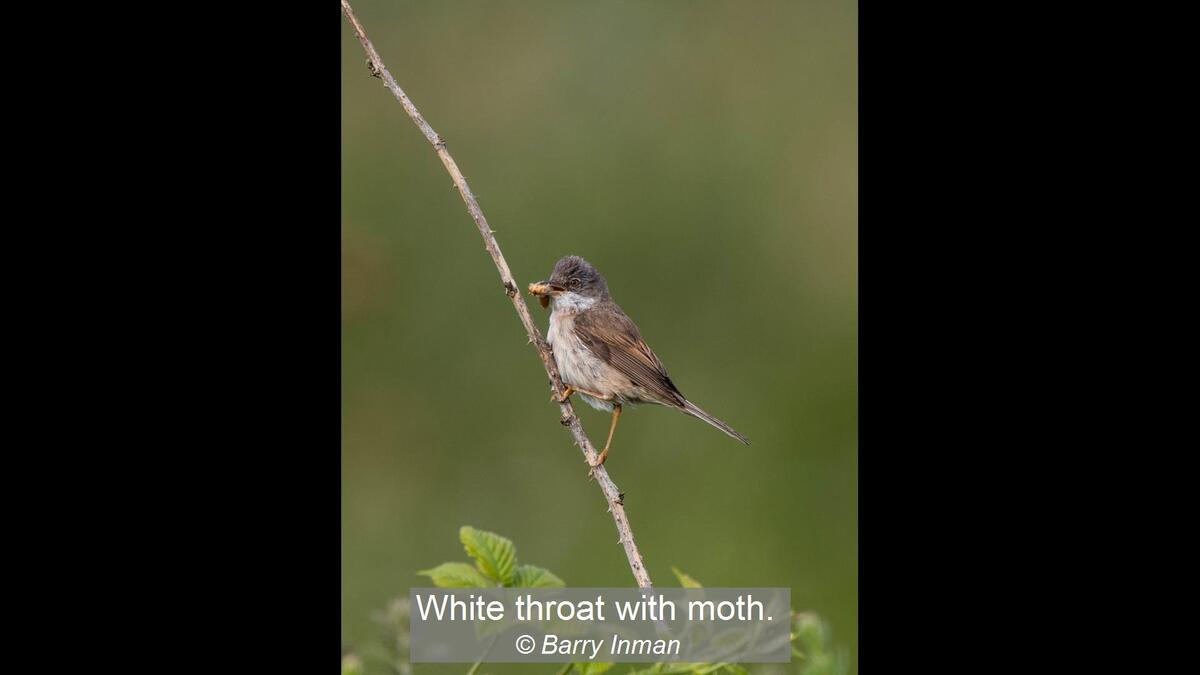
(695,411)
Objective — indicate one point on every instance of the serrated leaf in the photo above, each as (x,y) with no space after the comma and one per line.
(685,580)
(456,575)
(494,555)
(532,576)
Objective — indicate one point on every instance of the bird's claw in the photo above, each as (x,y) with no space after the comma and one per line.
(599,463)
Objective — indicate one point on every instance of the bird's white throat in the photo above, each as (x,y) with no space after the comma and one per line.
(572,303)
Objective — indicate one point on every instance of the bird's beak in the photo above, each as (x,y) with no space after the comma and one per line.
(544,290)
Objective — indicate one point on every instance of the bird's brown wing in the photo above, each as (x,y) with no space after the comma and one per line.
(612,336)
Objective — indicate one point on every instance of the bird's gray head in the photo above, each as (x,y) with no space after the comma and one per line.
(573,278)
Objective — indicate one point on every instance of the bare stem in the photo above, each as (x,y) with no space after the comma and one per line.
(479,661)
(512,289)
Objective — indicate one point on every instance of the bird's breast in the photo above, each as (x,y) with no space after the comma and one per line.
(577,365)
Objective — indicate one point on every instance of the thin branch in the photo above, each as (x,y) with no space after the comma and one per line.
(511,288)
(479,661)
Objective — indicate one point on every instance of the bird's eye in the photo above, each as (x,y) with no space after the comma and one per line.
(573,284)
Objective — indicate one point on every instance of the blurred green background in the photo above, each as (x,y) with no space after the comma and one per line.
(703,155)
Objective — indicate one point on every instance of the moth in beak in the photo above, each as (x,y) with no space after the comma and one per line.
(544,290)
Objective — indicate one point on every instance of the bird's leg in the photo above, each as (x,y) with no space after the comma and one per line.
(568,390)
(616,415)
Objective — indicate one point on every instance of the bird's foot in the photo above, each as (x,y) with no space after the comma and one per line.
(599,463)
(565,395)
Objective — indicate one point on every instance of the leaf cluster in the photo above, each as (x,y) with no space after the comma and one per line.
(495,565)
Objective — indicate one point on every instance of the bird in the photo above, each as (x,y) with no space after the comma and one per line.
(600,352)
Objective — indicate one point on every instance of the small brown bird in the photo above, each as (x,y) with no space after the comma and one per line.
(600,352)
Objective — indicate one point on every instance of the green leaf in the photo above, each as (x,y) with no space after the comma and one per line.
(456,575)
(494,555)
(531,576)
(685,580)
